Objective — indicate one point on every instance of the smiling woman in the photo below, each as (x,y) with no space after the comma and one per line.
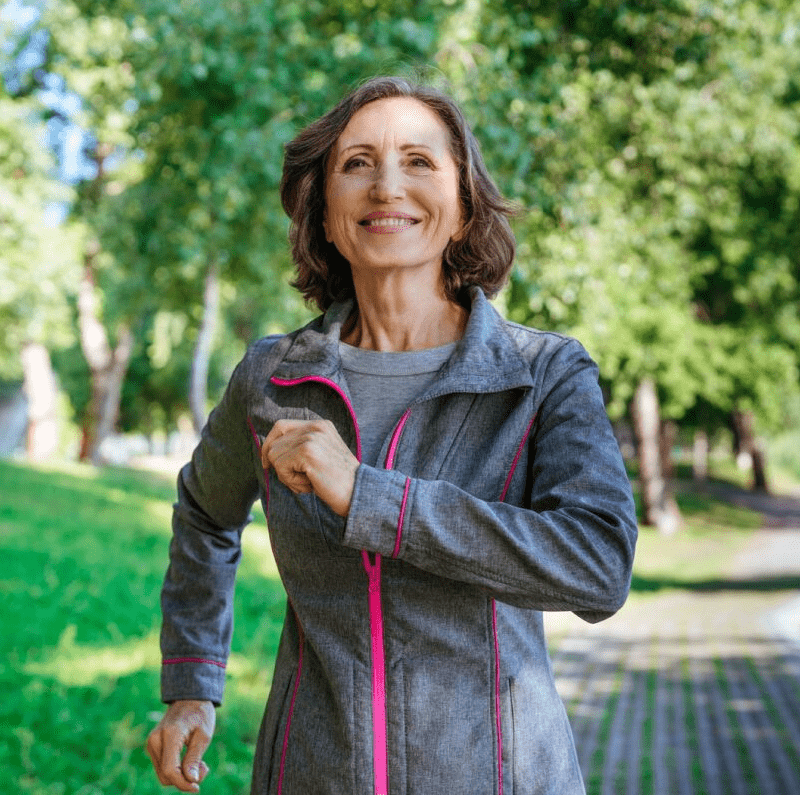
(433,478)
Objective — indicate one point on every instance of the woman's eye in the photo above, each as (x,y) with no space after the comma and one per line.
(355,162)
(420,161)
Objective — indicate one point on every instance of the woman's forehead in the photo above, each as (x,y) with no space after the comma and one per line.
(398,122)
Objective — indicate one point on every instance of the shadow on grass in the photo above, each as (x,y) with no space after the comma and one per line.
(644,584)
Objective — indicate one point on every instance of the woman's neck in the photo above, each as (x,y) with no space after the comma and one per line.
(402,315)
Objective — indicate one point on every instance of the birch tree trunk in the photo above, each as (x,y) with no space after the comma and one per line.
(659,507)
(198,385)
(107,367)
(41,389)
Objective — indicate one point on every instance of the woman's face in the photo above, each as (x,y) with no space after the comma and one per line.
(391,188)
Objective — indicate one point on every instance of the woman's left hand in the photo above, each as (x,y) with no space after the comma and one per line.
(310,456)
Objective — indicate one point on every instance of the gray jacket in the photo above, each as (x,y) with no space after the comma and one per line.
(412,658)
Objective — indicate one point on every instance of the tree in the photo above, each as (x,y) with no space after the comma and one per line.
(635,160)
(37,261)
(84,54)
(218,90)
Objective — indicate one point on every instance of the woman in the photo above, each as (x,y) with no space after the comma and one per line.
(433,477)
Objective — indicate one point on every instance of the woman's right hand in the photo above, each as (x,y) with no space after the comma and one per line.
(189,724)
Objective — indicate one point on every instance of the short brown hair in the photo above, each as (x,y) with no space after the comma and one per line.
(482,256)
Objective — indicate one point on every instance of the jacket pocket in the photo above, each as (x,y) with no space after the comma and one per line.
(448,723)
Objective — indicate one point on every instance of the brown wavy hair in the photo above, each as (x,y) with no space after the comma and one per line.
(482,256)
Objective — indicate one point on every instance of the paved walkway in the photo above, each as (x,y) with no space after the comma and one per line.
(694,692)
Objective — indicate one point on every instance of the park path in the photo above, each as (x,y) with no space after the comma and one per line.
(696,692)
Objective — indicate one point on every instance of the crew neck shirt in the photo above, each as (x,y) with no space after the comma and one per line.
(383,385)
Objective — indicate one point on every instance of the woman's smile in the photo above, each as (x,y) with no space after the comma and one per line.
(383,223)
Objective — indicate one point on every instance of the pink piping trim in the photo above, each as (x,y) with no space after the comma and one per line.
(516,459)
(336,388)
(399,538)
(498,718)
(390,456)
(398,431)
(177,660)
(497,701)
(266,473)
(285,748)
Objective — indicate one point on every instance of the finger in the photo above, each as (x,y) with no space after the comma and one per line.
(204,770)
(171,761)
(199,741)
(279,430)
(153,748)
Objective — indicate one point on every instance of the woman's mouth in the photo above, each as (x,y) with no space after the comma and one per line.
(381,223)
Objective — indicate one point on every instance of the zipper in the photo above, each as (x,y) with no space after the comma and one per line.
(380,751)
(372,567)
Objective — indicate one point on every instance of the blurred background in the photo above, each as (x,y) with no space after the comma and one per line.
(653,148)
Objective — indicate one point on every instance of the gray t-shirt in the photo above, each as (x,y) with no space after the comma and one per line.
(383,385)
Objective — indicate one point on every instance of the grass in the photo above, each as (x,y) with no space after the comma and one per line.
(82,557)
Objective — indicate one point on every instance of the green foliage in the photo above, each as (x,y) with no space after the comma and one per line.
(654,149)
(663,196)
(37,263)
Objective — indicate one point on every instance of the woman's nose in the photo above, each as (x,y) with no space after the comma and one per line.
(389,183)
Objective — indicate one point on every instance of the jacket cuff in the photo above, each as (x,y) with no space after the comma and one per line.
(192,678)
(379,511)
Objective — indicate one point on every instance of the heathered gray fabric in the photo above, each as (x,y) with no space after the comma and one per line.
(383,385)
(507,495)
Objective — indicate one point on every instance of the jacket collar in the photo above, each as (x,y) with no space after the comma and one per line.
(486,359)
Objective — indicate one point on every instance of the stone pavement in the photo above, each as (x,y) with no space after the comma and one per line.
(696,692)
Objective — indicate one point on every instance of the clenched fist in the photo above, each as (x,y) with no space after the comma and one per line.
(310,456)
(189,724)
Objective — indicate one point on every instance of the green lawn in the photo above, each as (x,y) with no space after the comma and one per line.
(82,556)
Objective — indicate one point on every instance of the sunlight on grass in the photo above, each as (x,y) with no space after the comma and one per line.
(80,665)
(703,551)
(161,513)
(257,552)
(83,664)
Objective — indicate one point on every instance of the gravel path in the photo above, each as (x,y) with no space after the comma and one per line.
(694,692)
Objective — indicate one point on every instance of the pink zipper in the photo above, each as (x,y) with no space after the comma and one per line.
(380,751)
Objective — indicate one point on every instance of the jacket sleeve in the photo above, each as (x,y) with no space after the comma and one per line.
(216,491)
(570,547)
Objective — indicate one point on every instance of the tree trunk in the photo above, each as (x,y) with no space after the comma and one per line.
(41,390)
(107,367)
(669,434)
(659,507)
(700,456)
(198,386)
(746,444)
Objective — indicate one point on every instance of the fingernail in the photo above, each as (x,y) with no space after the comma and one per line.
(193,774)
